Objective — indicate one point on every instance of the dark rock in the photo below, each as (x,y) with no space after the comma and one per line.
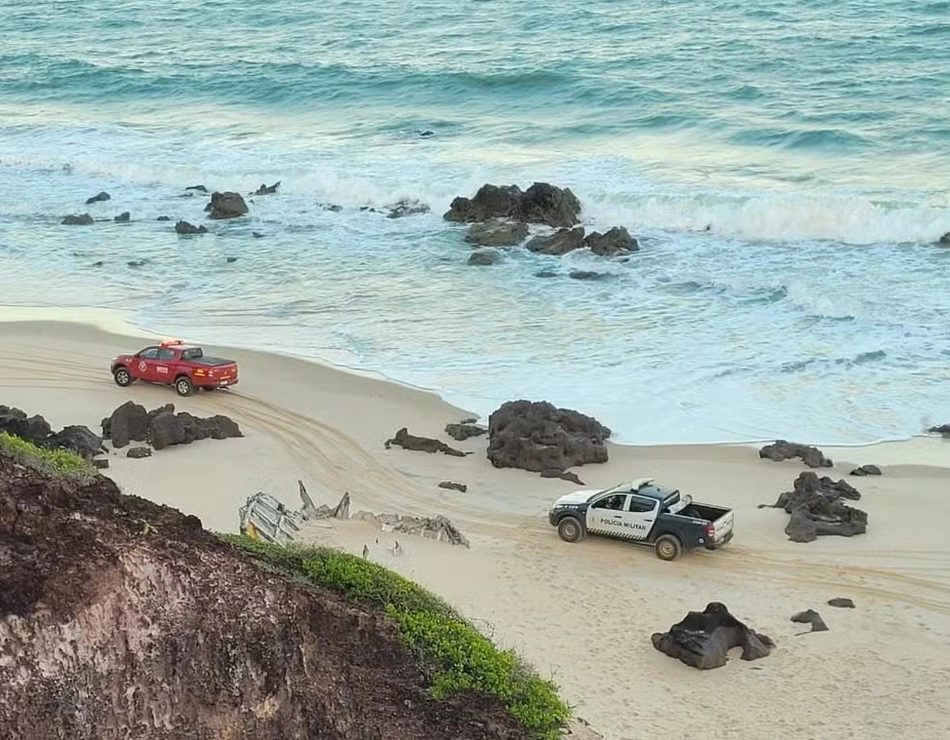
(79,439)
(407,207)
(481,257)
(231,260)
(82,220)
(100,463)
(16,423)
(452,486)
(331,207)
(841,603)
(257,235)
(545,274)
(616,241)
(164,218)
(186,229)
(137,263)
(943,429)
(560,242)
(265,189)
(469,420)
(211,427)
(199,188)
(123,218)
(226,205)
(782,450)
(422,444)
(537,436)
(541,204)
(165,430)
(815,509)
(589,275)
(867,470)
(137,453)
(129,422)
(563,475)
(98,263)
(945,239)
(101,197)
(703,639)
(461,432)
(810,616)
(497,232)
(425,134)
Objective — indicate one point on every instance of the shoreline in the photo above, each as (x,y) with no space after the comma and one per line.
(552,601)
(118,323)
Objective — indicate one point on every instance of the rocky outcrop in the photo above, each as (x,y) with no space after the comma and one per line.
(841,602)
(265,189)
(497,232)
(541,203)
(36,430)
(462,431)
(943,430)
(407,207)
(866,470)
(422,444)
(616,241)
(945,239)
(815,509)
(122,618)
(810,616)
(187,229)
(782,450)
(162,427)
(484,257)
(226,205)
(537,436)
(703,639)
(560,242)
(123,218)
(100,197)
(83,219)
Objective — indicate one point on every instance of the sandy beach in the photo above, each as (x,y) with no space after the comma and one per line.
(582,613)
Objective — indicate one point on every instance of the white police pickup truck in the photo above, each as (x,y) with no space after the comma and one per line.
(644,513)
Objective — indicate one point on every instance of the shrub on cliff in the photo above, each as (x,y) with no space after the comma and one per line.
(464,659)
(57,463)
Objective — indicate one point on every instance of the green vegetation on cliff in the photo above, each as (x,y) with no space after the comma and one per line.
(464,658)
(56,463)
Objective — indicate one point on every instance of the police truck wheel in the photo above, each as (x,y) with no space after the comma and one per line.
(122,377)
(668,547)
(570,530)
(184,386)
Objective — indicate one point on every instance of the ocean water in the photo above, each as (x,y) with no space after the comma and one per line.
(784,164)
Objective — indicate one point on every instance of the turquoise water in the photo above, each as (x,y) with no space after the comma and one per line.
(785,166)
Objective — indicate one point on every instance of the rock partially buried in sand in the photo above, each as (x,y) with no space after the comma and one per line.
(541,203)
(815,509)
(162,427)
(462,431)
(703,639)
(810,616)
(137,453)
(453,486)
(79,439)
(841,602)
(187,229)
(36,430)
(866,470)
(781,450)
(83,219)
(567,475)
(98,198)
(537,436)
(226,205)
(422,444)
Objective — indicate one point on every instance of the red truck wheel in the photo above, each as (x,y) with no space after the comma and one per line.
(183,386)
(122,377)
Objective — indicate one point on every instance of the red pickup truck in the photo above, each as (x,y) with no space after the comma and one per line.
(177,364)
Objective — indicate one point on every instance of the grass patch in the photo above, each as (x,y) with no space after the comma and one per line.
(57,463)
(464,658)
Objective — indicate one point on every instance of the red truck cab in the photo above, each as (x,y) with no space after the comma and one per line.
(173,363)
